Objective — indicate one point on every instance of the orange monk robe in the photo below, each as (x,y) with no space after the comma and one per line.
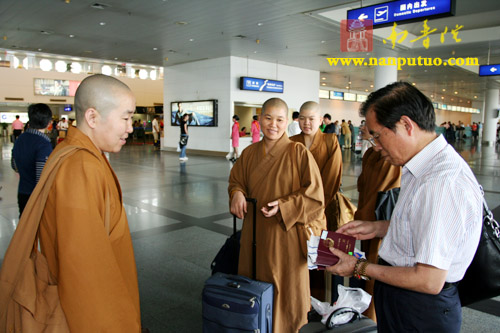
(288,174)
(327,153)
(376,175)
(95,270)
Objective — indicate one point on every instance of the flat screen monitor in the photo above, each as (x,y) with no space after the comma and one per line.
(324,94)
(350,97)
(201,113)
(336,95)
(51,87)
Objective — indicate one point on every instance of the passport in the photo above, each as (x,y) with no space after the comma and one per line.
(329,239)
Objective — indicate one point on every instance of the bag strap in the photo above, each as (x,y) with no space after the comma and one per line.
(24,240)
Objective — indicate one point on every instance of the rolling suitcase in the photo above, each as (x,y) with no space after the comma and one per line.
(226,260)
(235,303)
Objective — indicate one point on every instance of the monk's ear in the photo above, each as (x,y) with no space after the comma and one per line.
(91,116)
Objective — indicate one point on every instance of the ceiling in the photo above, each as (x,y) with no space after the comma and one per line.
(291,32)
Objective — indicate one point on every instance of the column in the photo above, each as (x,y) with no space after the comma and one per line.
(385,74)
(491,107)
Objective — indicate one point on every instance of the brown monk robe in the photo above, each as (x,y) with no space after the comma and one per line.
(327,153)
(288,176)
(94,265)
(376,175)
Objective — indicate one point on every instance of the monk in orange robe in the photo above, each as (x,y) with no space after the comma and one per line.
(284,178)
(376,175)
(327,153)
(93,261)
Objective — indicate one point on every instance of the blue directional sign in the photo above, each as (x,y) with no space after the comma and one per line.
(255,84)
(402,10)
(489,70)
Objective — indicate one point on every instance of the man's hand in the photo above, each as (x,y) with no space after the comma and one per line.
(345,265)
(364,229)
(271,209)
(239,205)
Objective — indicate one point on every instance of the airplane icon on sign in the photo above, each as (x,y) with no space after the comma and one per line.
(381,14)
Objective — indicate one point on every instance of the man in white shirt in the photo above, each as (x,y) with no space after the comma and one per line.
(294,128)
(435,227)
(156,132)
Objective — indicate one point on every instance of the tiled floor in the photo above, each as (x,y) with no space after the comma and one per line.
(178,216)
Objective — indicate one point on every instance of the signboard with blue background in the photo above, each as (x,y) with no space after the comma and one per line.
(255,84)
(489,70)
(402,10)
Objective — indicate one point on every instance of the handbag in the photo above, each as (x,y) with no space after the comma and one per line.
(183,141)
(343,209)
(482,279)
(29,298)
(386,201)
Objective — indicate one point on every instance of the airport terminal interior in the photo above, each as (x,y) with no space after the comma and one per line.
(198,53)
(179,218)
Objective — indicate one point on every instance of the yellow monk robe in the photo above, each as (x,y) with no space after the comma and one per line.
(327,153)
(289,174)
(95,270)
(376,175)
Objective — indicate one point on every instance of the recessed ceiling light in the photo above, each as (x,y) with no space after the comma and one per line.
(323,78)
(71,36)
(116,58)
(39,50)
(260,24)
(181,23)
(349,82)
(432,96)
(444,89)
(442,97)
(191,39)
(254,51)
(323,42)
(102,23)
(366,90)
(475,96)
(456,92)
(323,84)
(347,87)
(452,99)
(371,85)
(155,49)
(413,83)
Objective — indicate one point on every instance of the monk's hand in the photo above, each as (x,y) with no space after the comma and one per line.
(271,209)
(239,205)
(361,229)
(345,265)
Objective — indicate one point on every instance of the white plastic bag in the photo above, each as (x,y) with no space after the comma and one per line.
(354,298)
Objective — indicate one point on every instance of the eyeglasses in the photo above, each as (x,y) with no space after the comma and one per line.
(374,137)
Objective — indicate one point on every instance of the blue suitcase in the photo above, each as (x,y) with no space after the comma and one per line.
(235,303)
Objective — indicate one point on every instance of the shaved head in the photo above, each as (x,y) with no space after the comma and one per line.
(313,106)
(275,103)
(100,92)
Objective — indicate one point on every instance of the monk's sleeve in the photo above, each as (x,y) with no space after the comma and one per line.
(391,176)
(93,293)
(332,172)
(306,204)
(238,180)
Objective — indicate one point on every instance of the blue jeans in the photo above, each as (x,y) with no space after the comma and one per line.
(183,148)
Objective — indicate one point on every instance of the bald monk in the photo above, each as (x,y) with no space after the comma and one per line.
(93,263)
(284,178)
(376,175)
(326,151)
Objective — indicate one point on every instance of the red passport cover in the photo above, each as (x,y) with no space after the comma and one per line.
(339,241)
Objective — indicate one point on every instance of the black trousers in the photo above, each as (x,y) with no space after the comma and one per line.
(402,310)
(17,133)
(22,200)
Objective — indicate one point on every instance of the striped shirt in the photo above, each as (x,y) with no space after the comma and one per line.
(29,155)
(438,217)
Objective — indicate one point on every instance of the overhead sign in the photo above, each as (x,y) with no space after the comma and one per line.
(489,70)
(336,95)
(402,10)
(255,84)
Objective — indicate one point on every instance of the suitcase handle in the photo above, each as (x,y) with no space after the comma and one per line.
(236,280)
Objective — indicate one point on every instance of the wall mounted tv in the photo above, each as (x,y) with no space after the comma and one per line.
(50,87)
(201,113)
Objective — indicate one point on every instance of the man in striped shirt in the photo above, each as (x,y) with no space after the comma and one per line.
(31,151)
(435,227)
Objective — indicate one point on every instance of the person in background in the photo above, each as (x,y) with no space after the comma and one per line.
(255,129)
(31,151)
(17,128)
(346,133)
(326,151)
(184,137)
(435,227)
(156,132)
(243,132)
(294,128)
(284,178)
(329,126)
(353,139)
(235,137)
(337,128)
